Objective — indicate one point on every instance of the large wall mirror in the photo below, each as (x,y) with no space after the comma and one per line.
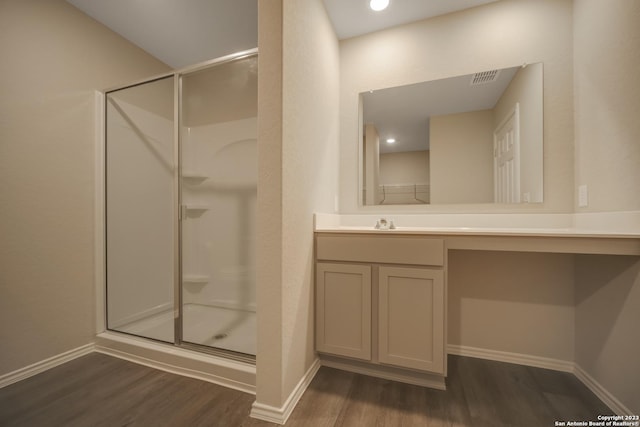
(475,138)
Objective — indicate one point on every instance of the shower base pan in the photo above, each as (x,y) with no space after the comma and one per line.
(216,327)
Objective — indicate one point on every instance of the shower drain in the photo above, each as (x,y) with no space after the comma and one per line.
(219,336)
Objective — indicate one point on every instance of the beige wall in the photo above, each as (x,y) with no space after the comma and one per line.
(269,219)
(310,167)
(493,305)
(461,148)
(497,35)
(607,320)
(399,173)
(607,107)
(607,103)
(297,176)
(372,162)
(405,168)
(53,58)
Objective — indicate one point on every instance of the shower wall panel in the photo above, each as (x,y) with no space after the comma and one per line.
(220,175)
(219,159)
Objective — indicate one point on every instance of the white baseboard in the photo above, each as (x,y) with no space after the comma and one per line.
(517,358)
(225,372)
(280,415)
(610,400)
(44,365)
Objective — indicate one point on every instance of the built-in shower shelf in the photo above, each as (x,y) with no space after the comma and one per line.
(195,279)
(193,211)
(194,177)
(197,207)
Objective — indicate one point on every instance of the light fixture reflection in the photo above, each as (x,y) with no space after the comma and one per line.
(391,141)
(378,5)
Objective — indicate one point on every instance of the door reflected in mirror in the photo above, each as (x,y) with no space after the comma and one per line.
(476,138)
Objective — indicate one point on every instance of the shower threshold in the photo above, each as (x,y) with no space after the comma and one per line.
(220,370)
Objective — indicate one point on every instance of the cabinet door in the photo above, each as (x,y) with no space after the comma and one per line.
(343,310)
(411,318)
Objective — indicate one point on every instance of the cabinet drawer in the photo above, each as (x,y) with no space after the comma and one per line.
(381,249)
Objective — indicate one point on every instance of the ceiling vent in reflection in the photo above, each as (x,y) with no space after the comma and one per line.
(484,77)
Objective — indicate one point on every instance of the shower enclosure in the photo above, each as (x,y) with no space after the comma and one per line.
(181,186)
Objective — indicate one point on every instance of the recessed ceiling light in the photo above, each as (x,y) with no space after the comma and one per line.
(378,5)
(391,141)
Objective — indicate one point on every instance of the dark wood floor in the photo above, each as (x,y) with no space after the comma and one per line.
(98,390)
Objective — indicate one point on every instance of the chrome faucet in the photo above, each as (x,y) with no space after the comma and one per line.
(383,224)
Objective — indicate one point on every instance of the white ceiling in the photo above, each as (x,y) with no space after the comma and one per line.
(186,32)
(180,32)
(354,17)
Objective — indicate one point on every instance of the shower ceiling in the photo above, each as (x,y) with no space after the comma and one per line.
(186,32)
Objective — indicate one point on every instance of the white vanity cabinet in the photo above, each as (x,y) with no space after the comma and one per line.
(381,299)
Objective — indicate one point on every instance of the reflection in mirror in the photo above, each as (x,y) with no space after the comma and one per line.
(475,138)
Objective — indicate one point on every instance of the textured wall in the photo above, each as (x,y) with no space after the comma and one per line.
(297,134)
(607,103)
(607,129)
(310,168)
(53,58)
(269,218)
(493,305)
(607,319)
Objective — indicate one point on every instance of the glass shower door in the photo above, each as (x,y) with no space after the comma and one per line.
(140,203)
(218,205)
